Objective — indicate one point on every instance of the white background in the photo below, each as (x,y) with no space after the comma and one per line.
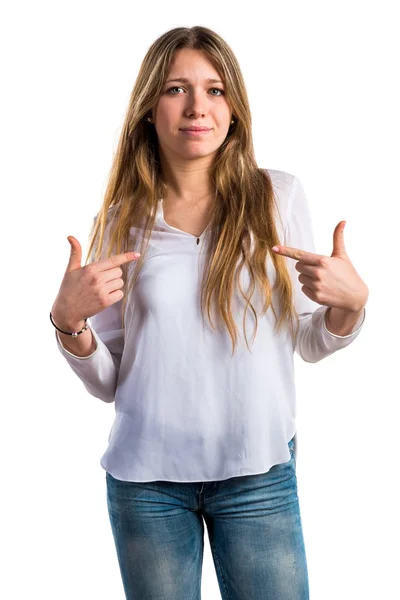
(322,80)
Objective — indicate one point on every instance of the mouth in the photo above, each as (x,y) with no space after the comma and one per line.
(196,132)
(196,129)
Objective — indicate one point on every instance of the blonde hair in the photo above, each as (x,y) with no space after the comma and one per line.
(245,202)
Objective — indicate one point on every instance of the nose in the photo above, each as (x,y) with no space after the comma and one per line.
(195,103)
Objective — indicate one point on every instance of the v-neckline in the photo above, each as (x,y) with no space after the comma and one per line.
(161,212)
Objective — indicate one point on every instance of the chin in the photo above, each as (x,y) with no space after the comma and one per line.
(197,153)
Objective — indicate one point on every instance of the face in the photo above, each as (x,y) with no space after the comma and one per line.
(195,102)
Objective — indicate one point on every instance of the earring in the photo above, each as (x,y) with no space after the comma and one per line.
(149,119)
(233,120)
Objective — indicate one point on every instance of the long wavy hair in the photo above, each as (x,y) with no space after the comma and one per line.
(242,225)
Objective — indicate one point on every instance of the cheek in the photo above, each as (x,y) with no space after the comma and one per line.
(166,109)
(160,113)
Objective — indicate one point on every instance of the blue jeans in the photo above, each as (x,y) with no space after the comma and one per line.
(253,524)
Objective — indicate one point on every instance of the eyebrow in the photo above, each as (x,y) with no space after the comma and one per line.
(184,80)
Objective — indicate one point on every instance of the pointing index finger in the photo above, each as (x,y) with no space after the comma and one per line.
(117,259)
(309,258)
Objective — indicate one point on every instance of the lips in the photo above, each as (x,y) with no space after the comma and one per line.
(196,128)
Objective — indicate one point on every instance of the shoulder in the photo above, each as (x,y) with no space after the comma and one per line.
(282,181)
(284,185)
(112,214)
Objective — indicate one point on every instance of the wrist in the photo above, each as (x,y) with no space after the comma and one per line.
(67,324)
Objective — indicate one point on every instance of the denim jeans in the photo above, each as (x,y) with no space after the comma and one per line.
(254,527)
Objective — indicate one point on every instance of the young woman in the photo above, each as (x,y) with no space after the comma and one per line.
(205,417)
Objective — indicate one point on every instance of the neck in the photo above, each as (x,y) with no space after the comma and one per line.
(188,182)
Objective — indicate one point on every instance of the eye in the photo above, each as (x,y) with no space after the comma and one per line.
(180,88)
(218,90)
(173,88)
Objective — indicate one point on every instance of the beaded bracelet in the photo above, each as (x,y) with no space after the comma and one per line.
(74,333)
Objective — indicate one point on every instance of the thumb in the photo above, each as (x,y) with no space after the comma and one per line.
(75,257)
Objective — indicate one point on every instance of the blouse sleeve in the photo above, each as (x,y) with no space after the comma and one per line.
(99,371)
(314,341)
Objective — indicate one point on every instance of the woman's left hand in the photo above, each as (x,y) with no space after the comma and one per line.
(330,280)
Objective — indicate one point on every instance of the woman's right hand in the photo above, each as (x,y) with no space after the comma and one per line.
(86,291)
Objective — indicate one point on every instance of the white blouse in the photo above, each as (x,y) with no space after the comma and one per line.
(186,410)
